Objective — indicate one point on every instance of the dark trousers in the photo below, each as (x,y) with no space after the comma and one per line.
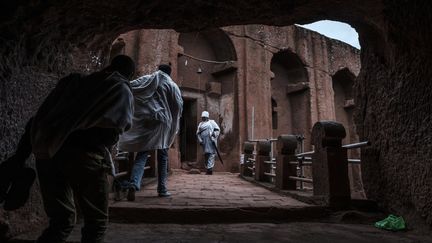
(65,177)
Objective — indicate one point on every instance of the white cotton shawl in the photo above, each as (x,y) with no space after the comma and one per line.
(158,108)
(205,131)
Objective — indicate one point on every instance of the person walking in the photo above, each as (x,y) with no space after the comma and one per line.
(158,108)
(207,133)
(70,137)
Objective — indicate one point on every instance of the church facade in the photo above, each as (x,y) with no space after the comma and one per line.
(256,81)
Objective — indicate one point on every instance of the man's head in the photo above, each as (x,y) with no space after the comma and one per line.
(124,65)
(165,68)
(205,115)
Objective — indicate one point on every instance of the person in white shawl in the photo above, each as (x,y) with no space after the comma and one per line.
(208,133)
(158,108)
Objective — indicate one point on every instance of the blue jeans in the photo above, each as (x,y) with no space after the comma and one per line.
(138,169)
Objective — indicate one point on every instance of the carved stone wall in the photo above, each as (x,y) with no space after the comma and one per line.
(392,89)
(279,64)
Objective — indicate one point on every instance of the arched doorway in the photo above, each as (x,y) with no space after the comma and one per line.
(290,95)
(206,76)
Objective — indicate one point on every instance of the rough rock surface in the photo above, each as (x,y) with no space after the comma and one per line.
(41,40)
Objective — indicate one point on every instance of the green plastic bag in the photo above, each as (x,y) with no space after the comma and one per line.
(392,222)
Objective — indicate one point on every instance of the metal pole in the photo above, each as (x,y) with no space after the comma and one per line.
(253,121)
(271,159)
(356,145)
(354,161)
(305,153)
(301,167)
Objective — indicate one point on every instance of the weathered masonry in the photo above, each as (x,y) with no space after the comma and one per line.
(256,81)
(41,41)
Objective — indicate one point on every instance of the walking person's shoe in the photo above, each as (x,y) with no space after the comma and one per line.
(121,189)
(209,172)
(131,194)
(164,194)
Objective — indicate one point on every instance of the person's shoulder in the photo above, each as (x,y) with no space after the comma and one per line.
(76,75)
(173,85)
(115,79)
(213,122)
(117,75)
(165,77)
(72,77)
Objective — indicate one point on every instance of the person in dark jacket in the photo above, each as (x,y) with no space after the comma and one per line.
(70,136)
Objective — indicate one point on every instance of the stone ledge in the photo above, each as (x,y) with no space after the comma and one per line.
(202,214)
(298,87)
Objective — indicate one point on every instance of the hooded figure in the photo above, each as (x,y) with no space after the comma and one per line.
(207,134)
(158,107)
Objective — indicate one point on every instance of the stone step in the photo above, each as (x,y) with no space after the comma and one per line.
(200,214)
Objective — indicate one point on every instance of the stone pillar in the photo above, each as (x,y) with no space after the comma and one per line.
(330,164)
(248,149)
(286,146)
(263,154)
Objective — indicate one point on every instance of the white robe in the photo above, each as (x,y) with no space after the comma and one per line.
(158,107)
(207,133)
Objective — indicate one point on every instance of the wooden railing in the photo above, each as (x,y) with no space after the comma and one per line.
(284,167)
(123,162)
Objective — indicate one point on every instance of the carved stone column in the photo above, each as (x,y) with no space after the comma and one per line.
(286,146)
(248,149)
(330,164)
(263,154)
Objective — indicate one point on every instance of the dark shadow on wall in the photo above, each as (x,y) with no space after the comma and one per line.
(343,82)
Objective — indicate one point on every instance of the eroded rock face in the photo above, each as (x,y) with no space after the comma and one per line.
(42,40)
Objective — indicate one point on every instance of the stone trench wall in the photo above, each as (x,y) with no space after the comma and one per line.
(395,100)
(25,82)
(257,44)
(392,90)
(20,93)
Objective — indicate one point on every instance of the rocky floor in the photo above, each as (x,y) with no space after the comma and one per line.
(226,208)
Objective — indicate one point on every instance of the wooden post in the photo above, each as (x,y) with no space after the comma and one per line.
(286,146)
(263,154)
(248,149)
(330,164)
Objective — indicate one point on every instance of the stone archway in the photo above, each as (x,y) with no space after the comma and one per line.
(343,82)
(207,78)
(290,91)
